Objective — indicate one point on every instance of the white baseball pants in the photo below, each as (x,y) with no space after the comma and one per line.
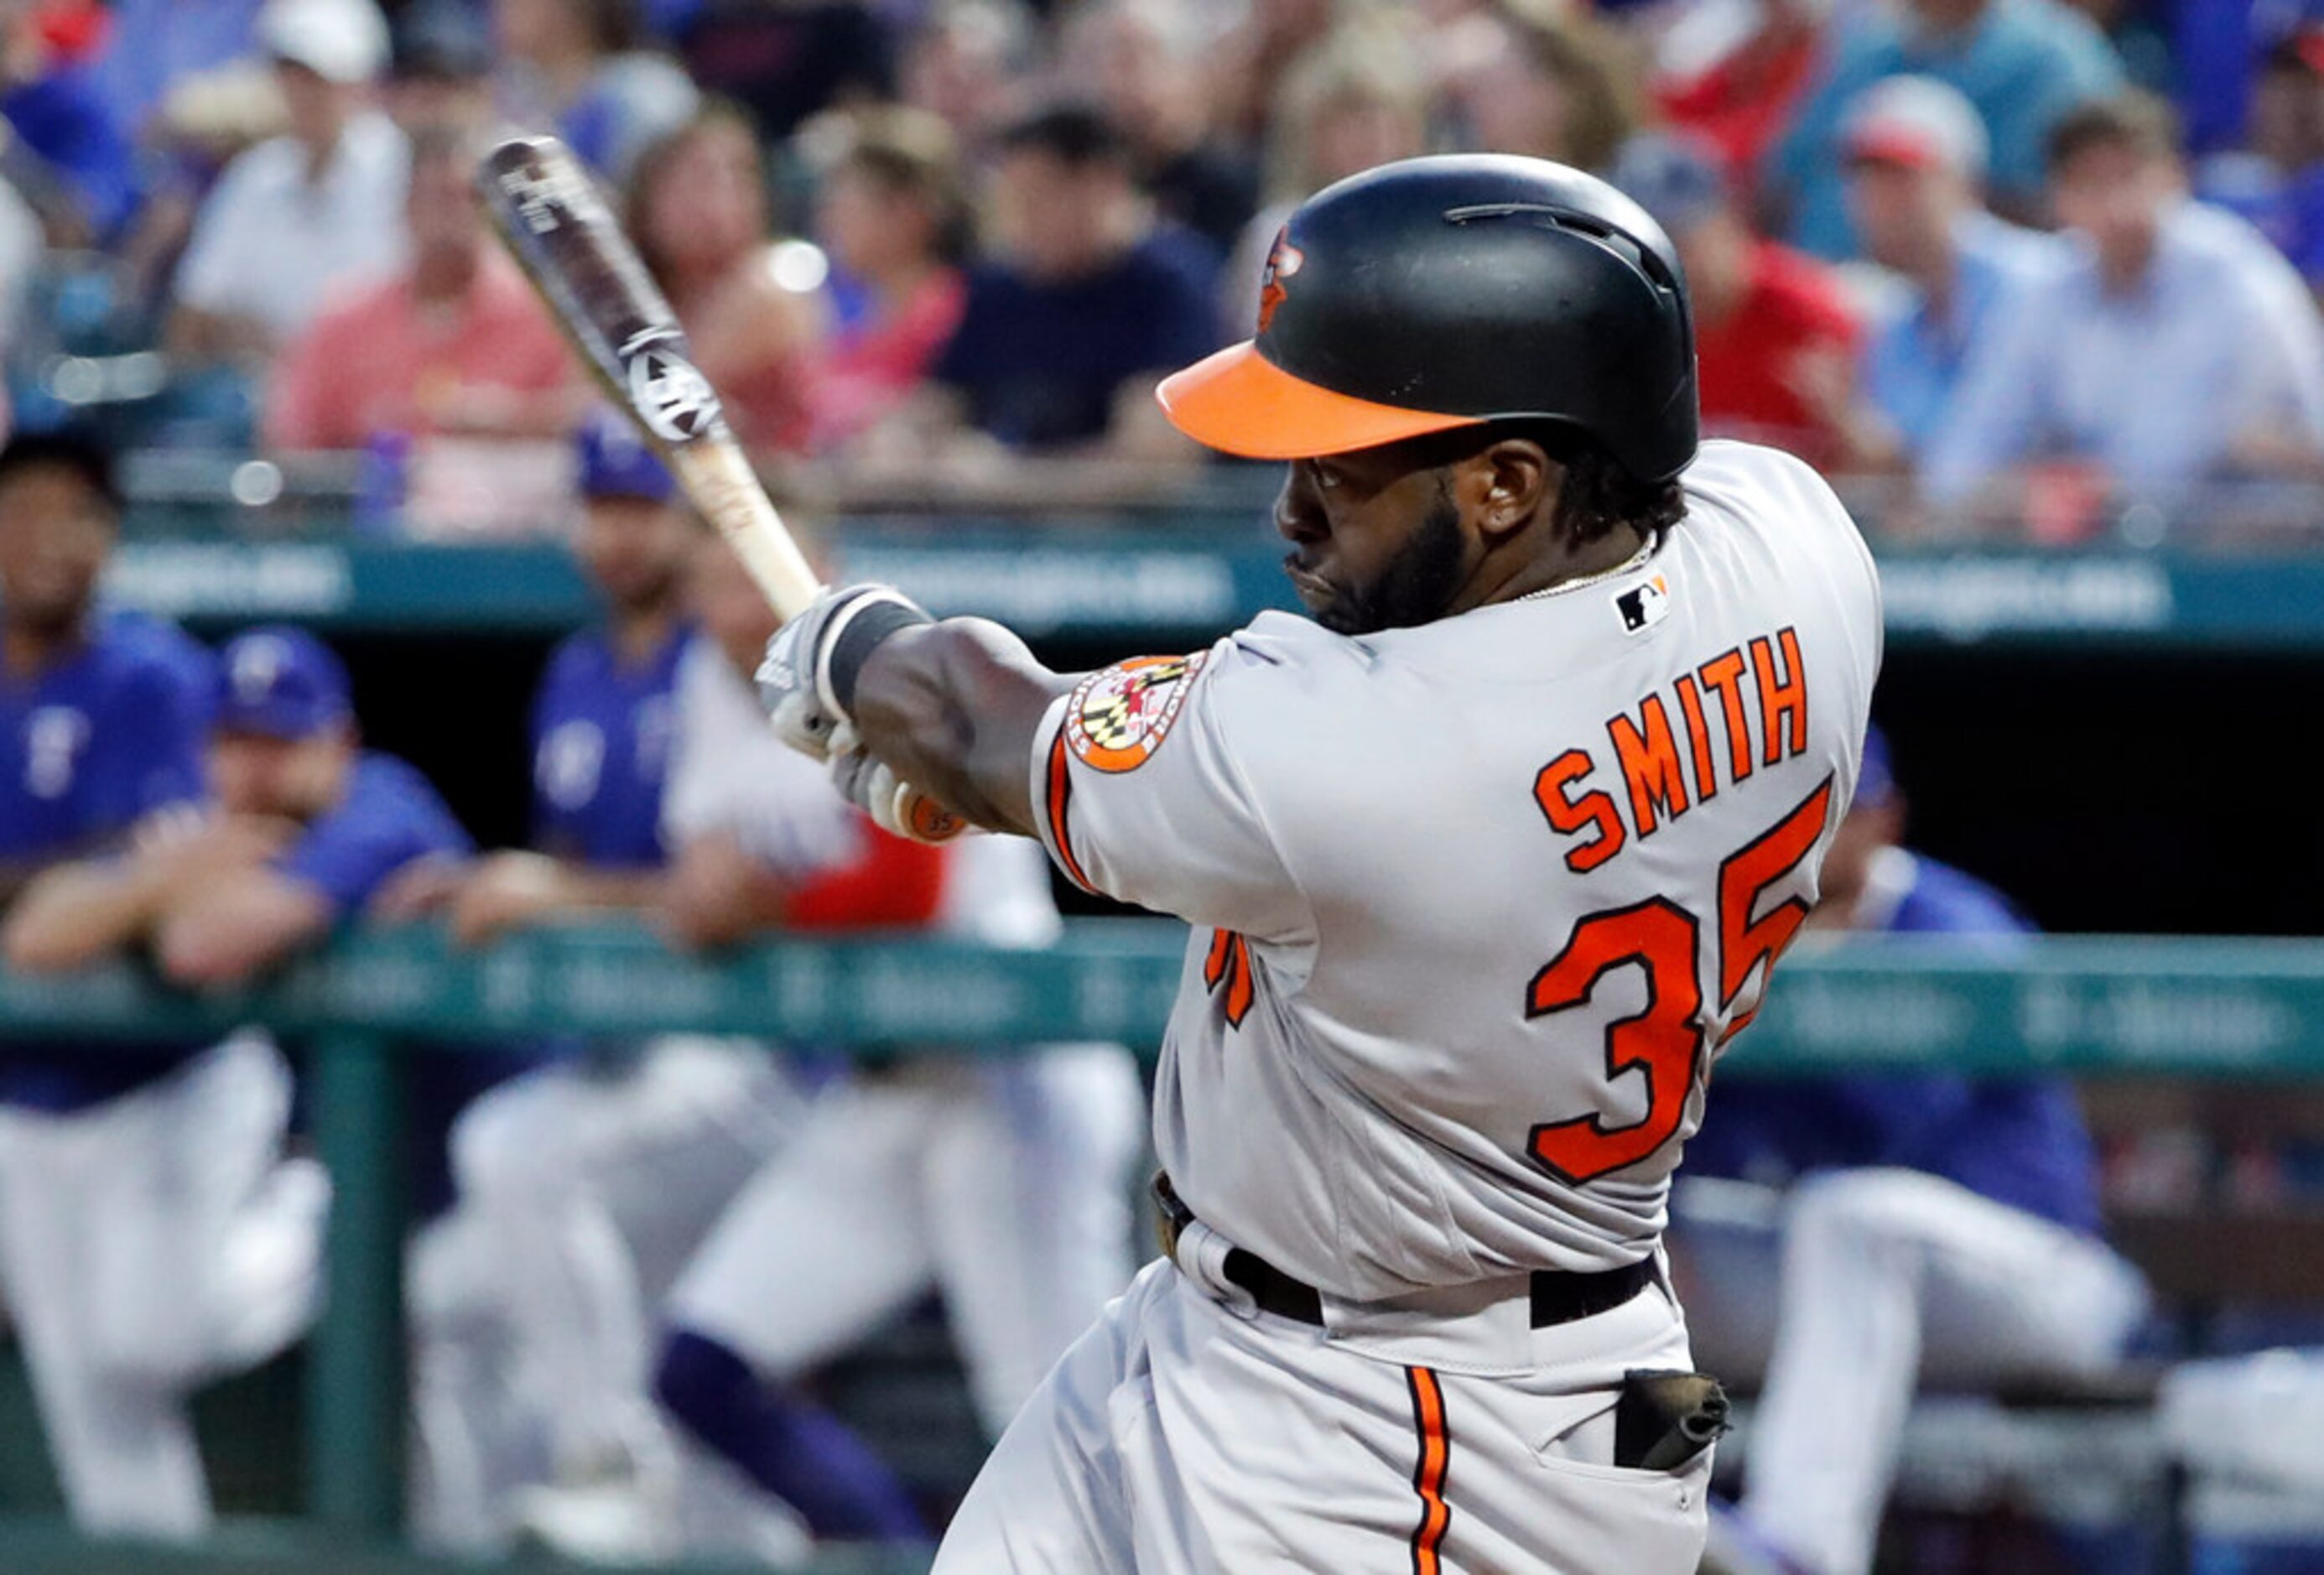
(581,1189)
(148,1245)
(1006,1186)
(1188,1434)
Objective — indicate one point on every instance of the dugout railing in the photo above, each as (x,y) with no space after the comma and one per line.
(2179,1008)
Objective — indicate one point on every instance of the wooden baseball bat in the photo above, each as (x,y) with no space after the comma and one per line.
(547,209)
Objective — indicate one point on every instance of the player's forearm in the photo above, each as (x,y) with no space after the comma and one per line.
(717,895)
(953,708)
(613,890)
(74,914)
(233,927)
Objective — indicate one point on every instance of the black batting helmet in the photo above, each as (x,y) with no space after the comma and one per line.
(1449,291)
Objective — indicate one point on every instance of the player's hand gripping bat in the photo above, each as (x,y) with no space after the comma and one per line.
(547,209)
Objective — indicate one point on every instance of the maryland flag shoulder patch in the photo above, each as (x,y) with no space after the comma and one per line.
(1119,716)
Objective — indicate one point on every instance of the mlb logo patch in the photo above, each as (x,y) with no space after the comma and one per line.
(1643,606)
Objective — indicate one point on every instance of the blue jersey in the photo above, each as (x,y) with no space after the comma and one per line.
(389,816)
(2018,1141)
(601,738)
(88,747)
(98,740)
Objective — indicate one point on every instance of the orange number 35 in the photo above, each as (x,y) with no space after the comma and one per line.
(1666,1039)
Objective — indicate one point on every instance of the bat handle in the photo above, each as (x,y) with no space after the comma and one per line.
(718,477)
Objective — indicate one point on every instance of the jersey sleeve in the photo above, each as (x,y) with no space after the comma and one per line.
(166,748)
(1139,795)
(387,820)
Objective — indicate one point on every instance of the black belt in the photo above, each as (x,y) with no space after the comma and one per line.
(1557,1296)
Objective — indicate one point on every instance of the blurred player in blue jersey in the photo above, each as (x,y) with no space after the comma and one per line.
(601,720)
(581,1184)
(153,1236)
(1936,1229)
(100,741)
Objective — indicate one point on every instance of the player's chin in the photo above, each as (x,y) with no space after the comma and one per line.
(1317,593)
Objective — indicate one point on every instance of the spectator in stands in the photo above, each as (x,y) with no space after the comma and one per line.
(2175,345)
(298,215)
(1142,60)
(154,45)
(1775,335)
(1530,76)
(1915,154)
(1250,61)
(455,343)
(441,73)
(2276,179)
(1003,1183)
(1360,98)
(2021,63)
(787,63)
(892,214)
(697,209)
(578,66)
(1736,88)
(2141,34)
(1942,1230)
(154,1236)
(23,249)
(965,63)
(59,116)
(1086,300)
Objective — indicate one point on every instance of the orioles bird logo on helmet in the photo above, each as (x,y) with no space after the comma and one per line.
(1283,261)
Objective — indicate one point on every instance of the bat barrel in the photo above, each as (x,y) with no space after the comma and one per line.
(556,224)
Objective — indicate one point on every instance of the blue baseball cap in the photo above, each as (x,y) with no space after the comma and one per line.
(1875,782)
(1677,179)
(282,683)
(616,462)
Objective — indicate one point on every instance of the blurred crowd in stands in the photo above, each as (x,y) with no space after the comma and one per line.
(1947,244)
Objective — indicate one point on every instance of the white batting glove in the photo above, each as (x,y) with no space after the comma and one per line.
(813,657)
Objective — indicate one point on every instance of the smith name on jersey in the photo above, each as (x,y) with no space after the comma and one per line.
(1478,903)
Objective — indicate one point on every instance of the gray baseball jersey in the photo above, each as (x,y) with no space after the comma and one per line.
(1479,902)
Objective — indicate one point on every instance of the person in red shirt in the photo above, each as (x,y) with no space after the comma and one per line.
(1740,100)
(697,209)
(454,343)
(893,215)
(1775,333)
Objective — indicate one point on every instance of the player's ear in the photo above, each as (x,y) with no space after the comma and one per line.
(1520,480)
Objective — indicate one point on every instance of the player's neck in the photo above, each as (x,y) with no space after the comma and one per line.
(1560,565)
(639,632)
(27,651)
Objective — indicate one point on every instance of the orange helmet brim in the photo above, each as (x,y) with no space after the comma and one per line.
(1238,402)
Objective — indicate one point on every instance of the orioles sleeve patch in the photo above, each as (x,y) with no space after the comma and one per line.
(1119,716)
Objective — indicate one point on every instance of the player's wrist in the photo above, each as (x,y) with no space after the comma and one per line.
(867,620)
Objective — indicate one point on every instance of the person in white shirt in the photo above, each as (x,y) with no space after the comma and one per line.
(2174,346)
(308,211)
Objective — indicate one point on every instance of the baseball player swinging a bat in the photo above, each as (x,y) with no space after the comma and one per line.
(1485,865)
